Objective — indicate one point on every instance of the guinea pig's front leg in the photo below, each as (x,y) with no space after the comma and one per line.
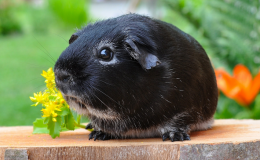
(89,126)
(100,135)
(175,136)
(174,133)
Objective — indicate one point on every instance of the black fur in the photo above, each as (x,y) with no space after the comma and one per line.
(161,73)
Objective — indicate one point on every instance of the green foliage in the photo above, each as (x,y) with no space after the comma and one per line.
(24,56)
(228,108)
(228,28)
(41,20)
(54,127)
(8,22)
(70,12)
(256,108)
(56,112)
(22,59)
(26,17)
(69,121)
(64,121)
(40,126)
(229,32)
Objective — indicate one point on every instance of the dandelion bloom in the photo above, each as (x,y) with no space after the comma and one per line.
(241,86)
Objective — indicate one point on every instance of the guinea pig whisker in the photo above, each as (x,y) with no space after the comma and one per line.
(89,98)
(100,100)
(76,100)
(106,83)
(40,86)
(45,51)
(106,95)
(45,57)
(62,38)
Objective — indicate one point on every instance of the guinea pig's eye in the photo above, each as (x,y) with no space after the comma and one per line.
(105,54)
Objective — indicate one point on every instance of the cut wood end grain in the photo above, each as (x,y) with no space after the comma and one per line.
(228,139)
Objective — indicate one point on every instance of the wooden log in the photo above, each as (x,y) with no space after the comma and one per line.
(228,139)
(16,154)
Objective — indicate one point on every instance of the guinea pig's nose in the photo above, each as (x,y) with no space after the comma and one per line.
(63,77)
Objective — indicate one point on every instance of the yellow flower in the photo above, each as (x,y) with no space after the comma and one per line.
(50,109)
(59,95)
(51,98)
(49,75)
(39,98)
(61,100)
(50,78)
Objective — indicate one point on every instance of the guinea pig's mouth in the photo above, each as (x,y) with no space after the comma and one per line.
(83,108)
(70,99)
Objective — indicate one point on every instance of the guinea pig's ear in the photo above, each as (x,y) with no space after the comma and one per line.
(147,60)
(73,38)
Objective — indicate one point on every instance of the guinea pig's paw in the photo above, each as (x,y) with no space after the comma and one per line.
(175,136)
(99,135)
(89,126)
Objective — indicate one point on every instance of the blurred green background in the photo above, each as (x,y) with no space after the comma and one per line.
(33,33)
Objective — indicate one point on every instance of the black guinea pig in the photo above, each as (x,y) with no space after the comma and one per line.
(138,77)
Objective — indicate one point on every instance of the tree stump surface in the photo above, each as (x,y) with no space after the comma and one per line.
(227,139)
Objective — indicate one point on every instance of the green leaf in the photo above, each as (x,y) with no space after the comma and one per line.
(78,119)
(46,120)
(39,126)
(64,111)
(63,129)
(55,127)
(52,98)
(69,121)
(247,114)
(256,108)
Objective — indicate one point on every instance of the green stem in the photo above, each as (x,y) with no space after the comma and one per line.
(78,118)
(81,126)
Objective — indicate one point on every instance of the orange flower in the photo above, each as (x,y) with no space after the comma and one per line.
(241,86)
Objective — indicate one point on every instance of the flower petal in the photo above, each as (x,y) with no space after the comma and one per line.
(227,84)
(230,86)
(256,81)
(33,99)
(254,88)
(243,75)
